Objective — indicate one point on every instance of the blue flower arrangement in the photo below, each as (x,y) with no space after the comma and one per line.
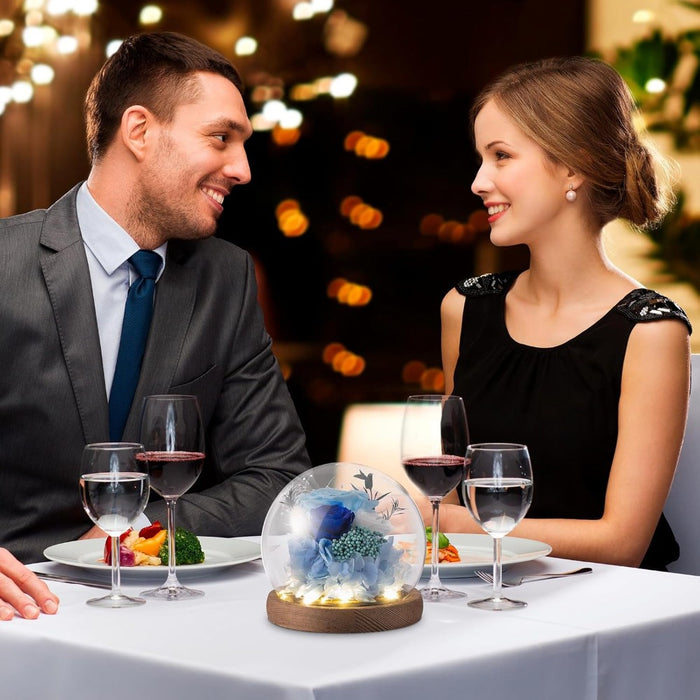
(341,550)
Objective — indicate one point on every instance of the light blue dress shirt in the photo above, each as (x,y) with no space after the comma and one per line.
(108,247)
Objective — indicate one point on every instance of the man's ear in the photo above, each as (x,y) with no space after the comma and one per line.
(136,130)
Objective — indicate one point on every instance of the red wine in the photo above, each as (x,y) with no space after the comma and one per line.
(172,473)
(435,476)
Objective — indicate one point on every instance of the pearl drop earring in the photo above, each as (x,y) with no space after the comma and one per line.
(571,194)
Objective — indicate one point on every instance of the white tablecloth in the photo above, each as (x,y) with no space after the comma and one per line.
(616,633)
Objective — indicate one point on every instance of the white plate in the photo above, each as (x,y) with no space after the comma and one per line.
(219,552)
(476,552)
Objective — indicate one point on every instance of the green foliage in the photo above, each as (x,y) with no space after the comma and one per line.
(651,57)
(676,61)
(678,244)
(188,549)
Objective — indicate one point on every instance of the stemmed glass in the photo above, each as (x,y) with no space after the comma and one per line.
(434,441)
(114,491)
(173,437)
(498,492)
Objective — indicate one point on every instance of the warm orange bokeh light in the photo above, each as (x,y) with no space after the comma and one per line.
(362,144)
(330,351)
(339,358)
(356,212)
(290,219)
(479,219)
(286,205)
(334,286)
(351,140)
(346,206)
(433,379)
(370,218)
(285,137)
(352,366)
(412,371)
(375,149)
(343,361)
(359,295)
(293,223)
(430,224)
(344,291)
(366,146)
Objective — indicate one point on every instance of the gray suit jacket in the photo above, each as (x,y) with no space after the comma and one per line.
(207,338)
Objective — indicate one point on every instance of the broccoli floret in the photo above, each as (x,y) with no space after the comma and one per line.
(188,549)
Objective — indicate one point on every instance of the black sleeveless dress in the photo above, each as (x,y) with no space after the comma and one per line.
(562,402)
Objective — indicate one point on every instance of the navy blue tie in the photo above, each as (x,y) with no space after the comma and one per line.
(137,320)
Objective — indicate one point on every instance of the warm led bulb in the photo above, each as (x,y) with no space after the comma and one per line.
(274,110)
(7,26)
(343,85)
(246,46)
(22,91)
(42,74)
(66,45)
(655,86)
(113,47)
(150,14)
(84,8)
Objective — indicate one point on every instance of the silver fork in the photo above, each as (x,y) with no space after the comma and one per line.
(488,578)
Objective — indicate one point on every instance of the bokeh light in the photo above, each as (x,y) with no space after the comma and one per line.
(246,46)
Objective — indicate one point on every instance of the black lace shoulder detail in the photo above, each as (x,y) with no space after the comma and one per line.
(647,305)
(490,283)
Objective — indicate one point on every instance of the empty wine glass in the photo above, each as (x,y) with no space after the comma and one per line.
(434,441)
(498,492)
(114,491)
(173,438)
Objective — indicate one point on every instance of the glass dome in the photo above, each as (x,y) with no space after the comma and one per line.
(343,534)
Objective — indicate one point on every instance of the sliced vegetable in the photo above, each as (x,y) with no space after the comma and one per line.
(126,556)
(447,554)
(443,541)
(152,545)
(108,546)
(150,530)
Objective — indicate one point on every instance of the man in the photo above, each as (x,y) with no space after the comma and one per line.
(166,128)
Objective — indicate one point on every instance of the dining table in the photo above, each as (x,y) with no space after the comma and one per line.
(616,633)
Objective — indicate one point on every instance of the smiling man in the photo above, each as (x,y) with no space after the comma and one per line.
(166,132)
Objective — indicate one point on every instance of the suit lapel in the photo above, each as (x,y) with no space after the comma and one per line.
(176,292)
(65,269)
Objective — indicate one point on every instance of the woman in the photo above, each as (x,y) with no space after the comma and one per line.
(571,356)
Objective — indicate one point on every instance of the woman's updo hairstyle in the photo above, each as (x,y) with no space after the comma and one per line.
(581,113)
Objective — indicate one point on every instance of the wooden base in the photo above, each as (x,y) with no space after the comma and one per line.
(358,618)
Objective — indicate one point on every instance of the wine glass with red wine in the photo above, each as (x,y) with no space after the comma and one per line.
(172,435)
(434,442)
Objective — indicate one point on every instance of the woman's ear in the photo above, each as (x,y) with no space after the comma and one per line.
(135,129)
(573,178)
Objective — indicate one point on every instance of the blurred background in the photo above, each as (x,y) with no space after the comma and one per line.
(359,215)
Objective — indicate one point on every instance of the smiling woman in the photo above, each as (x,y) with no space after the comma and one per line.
(571,355)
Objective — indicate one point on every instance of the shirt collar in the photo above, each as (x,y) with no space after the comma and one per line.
(111,245)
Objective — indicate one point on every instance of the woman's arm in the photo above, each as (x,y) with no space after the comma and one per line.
(652,414)
(451,311)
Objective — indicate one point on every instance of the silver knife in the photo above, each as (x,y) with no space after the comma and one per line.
(68,579)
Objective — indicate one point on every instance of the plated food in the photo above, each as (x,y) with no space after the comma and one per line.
(447,552)
(219,552)
(476,552)
(149,547)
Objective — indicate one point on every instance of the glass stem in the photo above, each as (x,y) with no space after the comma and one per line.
(434,581)
(116,578)
(172,577)
(497,568)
